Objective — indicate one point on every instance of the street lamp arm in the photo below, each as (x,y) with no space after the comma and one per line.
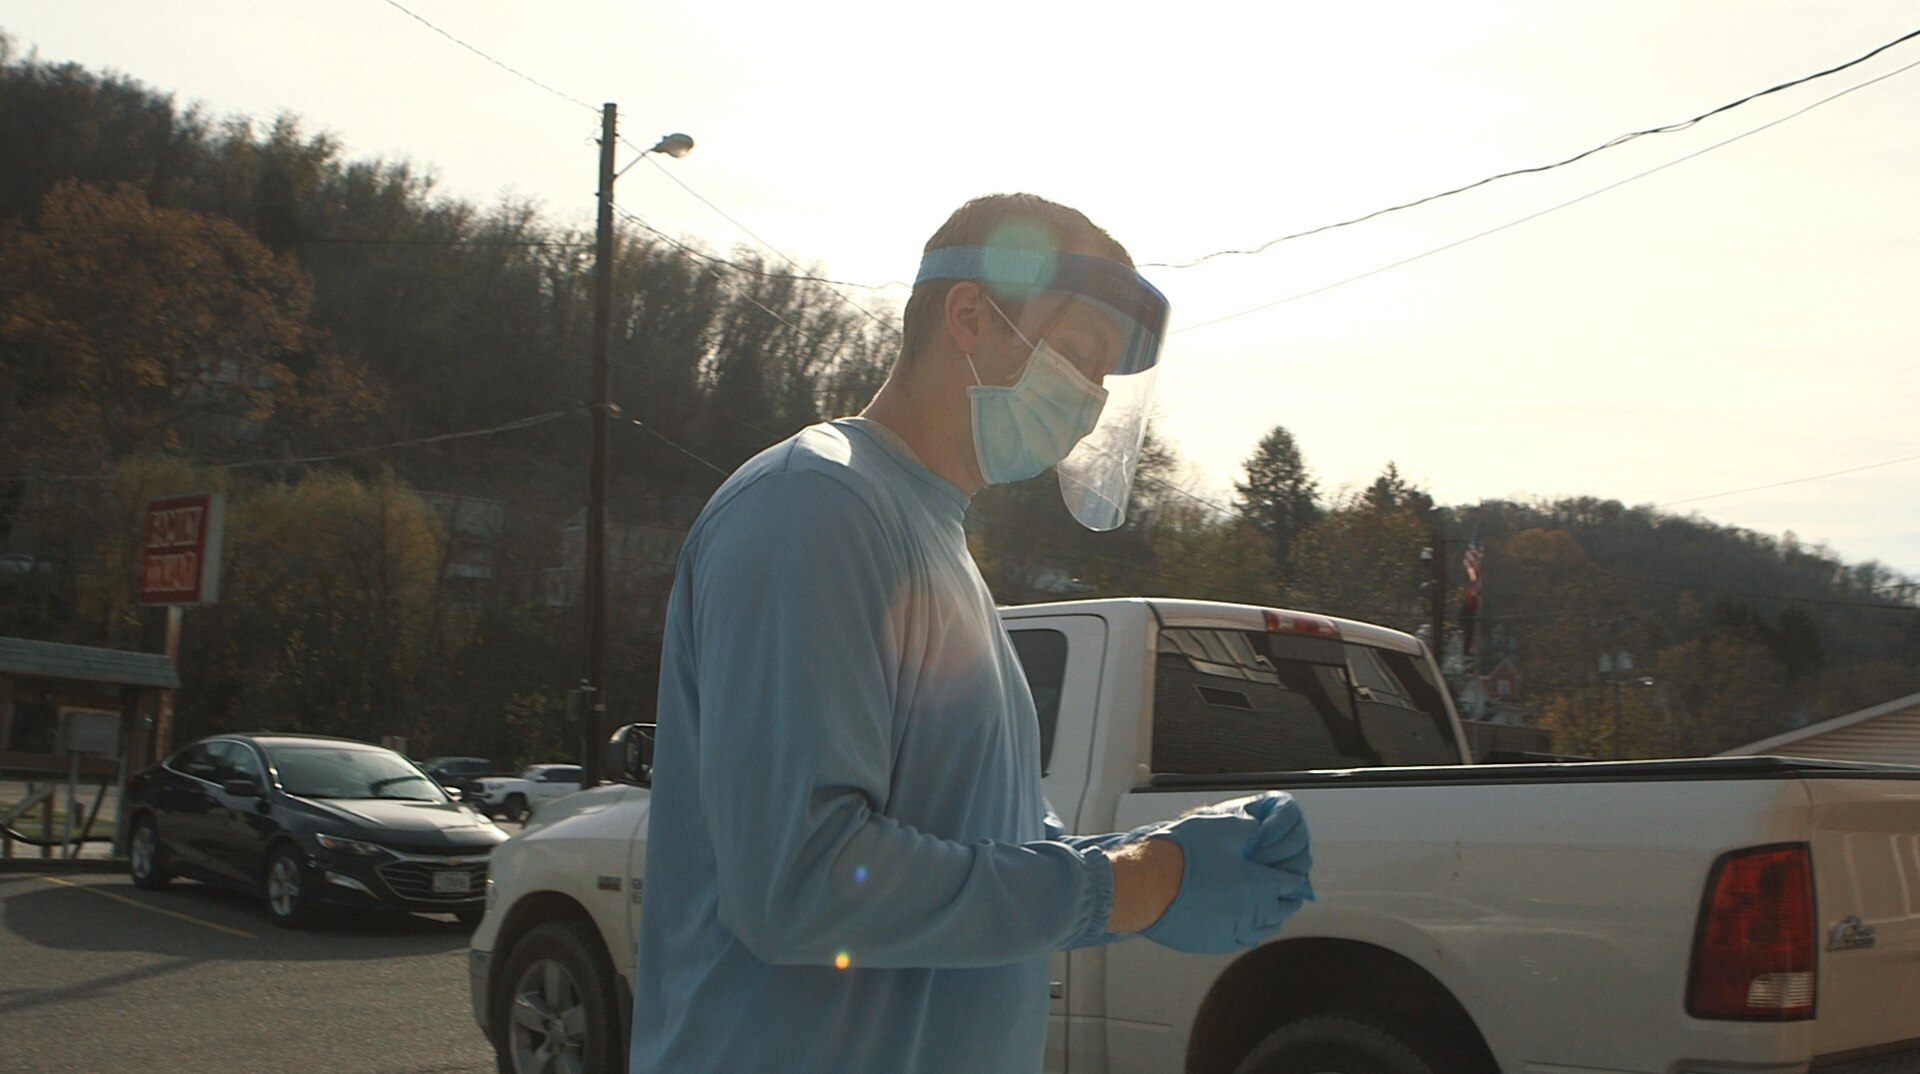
(673,145)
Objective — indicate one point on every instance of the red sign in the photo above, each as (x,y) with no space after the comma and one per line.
(182,560)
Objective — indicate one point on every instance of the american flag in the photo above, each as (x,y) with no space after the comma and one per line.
(1470,599)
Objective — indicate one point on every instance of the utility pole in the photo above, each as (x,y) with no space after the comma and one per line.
(594,594)
(1438,594)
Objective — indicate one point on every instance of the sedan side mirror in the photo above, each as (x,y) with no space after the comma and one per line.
(630,754)
(241,788)
(454,793)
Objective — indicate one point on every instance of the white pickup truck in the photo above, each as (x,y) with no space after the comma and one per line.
(1707,916)
(516,797)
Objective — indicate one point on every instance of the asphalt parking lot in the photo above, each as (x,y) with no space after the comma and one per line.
(99,976)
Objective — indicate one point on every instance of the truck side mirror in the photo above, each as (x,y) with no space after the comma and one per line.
(629,756)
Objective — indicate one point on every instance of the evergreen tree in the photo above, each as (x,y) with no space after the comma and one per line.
(1391,492)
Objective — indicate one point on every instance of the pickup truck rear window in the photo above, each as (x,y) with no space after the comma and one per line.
(1223,704)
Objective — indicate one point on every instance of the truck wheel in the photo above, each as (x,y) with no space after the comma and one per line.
(515,809)
(1360,1044)
(554,1006)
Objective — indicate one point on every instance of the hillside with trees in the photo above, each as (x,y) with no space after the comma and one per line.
(388,383)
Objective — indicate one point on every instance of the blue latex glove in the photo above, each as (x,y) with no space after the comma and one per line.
(1246,871)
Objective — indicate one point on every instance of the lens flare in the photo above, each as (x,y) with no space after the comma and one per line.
(842,960)
(860,874)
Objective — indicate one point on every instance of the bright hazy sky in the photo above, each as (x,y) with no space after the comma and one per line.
(1744,318)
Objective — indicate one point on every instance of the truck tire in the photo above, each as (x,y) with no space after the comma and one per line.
(515,808)
(1353,1044)
(556,1007)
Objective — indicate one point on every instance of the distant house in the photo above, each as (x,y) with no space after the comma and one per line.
(475,526)
(1503,682)
(640,564)
(1493,697)
(1888,733)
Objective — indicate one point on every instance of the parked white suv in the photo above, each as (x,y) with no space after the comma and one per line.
(515,798)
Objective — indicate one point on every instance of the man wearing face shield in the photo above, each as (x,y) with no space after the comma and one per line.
(851,866)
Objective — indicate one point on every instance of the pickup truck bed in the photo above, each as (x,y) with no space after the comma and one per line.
(1557,937)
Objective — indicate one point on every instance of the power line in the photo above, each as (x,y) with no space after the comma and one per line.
(332,241)
(662,437)
(1703,587)
(1544,212)
(208,222)
(522,75)
(644,152)
(1223,510)
(749,269)
(1611,143)
(764,243)
(512,426)
(1791,481)
(802,333)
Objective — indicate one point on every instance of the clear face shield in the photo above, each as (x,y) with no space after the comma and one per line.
(1096,477)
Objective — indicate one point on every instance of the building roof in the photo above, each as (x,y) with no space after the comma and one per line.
(83,663)
(1896,726)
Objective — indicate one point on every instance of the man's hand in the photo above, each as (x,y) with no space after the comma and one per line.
(1245,869)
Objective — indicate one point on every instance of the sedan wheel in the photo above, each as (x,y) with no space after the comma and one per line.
(143,856)
(556,1015)
(286,889)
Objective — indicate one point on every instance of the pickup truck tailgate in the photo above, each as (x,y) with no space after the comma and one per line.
(1866,858)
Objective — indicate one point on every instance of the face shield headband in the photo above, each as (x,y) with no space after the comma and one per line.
(1137,309)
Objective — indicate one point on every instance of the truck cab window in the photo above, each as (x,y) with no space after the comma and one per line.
(1043,656)
(1401,714)
(1223,704)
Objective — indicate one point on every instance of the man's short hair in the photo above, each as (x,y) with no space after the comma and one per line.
(1021,221)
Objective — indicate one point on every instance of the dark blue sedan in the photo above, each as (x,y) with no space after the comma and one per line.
(309,822)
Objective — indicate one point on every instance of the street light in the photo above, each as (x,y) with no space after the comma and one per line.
(673,145)
(593,701)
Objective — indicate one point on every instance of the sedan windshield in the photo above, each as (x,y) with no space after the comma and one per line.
(329,771)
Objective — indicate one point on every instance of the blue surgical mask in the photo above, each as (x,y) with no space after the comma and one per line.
(1020,431)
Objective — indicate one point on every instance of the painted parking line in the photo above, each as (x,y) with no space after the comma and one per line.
(135,902)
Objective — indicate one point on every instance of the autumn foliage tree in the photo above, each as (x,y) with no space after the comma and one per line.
(1362,561)
(130,329)
(329,614)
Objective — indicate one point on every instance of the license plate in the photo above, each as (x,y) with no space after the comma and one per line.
(452,883)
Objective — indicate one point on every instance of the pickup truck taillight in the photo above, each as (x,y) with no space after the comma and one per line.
(1753,953)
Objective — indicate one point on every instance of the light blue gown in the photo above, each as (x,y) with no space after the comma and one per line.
(848,774)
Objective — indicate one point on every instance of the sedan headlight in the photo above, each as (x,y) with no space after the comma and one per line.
(349,846)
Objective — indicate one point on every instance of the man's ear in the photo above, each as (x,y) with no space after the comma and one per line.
(964,311)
